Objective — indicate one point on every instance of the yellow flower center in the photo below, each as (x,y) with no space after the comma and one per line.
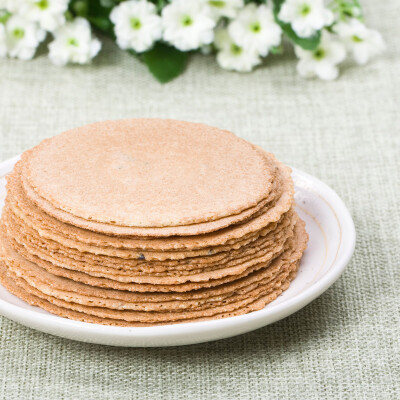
(305,9)
(215,3)
(135,23)
(319,54)
(73,42)
(42,4)
(18,33)
(187,20)
(255,27)
(235,49)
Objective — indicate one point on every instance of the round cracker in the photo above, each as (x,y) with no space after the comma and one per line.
(184,230)
(148,173)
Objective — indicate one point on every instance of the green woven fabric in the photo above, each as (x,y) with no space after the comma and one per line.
(344,345)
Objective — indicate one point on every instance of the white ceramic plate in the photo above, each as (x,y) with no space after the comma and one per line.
(331,245)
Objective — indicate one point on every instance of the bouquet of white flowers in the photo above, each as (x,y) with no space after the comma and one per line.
(164,33)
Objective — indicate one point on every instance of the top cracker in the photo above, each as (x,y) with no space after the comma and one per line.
(149,173)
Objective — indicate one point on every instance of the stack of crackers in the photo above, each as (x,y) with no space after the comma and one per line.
(143,222)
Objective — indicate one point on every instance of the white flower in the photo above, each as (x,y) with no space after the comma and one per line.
(362,42)
(232,56)
(73,43)
(323,61)
(3,45)
(188,24)
(305,16)
(22,37)
(137,26)
(48,13)
(227,8)
(255,28)
(10,5)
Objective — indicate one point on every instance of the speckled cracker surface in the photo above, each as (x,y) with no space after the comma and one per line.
(147,222)
(251,292)
(149,173)
(181,230)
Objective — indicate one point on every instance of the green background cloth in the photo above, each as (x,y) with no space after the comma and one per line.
(345,344)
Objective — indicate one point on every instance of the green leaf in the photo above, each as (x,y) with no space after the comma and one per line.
(310,43)
(97,12)
(276,50)
(99,16)
(160,4)
(347,9)
(108,3)
(80,8)
(165,62)
(103,24)
(256,1)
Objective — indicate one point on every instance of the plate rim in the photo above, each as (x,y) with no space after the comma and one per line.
(274,313)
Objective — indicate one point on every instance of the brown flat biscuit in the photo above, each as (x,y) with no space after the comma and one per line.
(253,224)
(33,300)
(299,237)
(232,308)
(70,291)
(152,173)
(188,265)
(127,275)
(153,222)
(40,247)
(160,317)
(83,261)
(166,279)
(24,267)
(113,283)
(134,254)
(51,228)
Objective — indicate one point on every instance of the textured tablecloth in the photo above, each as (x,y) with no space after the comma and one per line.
(344,345)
